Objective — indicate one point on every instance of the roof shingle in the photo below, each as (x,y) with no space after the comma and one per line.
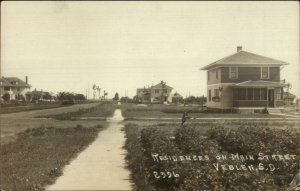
(244,58)
(12,82)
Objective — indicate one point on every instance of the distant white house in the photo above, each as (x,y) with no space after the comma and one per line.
(156,93)
(13,88)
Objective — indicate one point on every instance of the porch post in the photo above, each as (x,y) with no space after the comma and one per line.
(267,97)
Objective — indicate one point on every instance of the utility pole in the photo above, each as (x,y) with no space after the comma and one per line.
(88,91)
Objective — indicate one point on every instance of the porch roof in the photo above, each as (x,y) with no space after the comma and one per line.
(259,83)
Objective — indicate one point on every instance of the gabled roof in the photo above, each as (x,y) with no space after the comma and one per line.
(177,95)
(259,83)
(159,86)
(12,82)
(245,58)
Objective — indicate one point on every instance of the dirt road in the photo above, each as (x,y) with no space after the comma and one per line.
(102,165)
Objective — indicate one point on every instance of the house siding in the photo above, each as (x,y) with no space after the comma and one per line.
(250,73)
(226,97)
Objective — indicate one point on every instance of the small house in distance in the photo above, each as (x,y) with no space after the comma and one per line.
(154,94)
(177,98)
(244,80)
(288,98)
(13,88)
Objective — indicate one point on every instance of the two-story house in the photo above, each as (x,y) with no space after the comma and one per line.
(244,80)
(155,93)
(13,88)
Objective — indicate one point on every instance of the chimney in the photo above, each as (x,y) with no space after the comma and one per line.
(26,79)
(239,48)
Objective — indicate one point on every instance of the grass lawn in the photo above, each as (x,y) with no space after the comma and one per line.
(38,155)
(104,109)
(14,123)
(133,111)
(36,106)
(30,107)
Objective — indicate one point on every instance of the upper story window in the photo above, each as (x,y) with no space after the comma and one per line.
(233,72)
(217,73)
(217,93)
(208,75)
(264,72)
(156,91)
(165,91)
(6,88)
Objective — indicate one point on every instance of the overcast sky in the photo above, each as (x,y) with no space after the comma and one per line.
(120,46)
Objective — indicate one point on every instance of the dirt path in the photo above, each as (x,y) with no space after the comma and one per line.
(101,166)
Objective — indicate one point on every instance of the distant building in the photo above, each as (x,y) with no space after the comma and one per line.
(36,95)
(288,98)
(244,80)
(177,98)
(13,88)
(154,94)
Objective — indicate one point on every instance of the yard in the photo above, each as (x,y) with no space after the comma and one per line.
(36,145)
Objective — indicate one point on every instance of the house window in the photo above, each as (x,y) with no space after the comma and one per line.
(242,94)
(6,88)
(217,74)
(156,91)
(256,93)
(235,94)
(249,93)
(208,75)
(209,95)
(279,94)
(263,94)
(165,91)
(217,93)
(18,89)
(264,72)
(233,72)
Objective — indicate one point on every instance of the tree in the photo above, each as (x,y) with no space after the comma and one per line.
(163,86)
(6,97)
(62,96)
(116,98)
(79,97)
(47,96)
(104,94)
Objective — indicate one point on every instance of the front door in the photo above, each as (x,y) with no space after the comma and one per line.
(270,98)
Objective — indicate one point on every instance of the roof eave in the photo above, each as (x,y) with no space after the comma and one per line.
(207,67)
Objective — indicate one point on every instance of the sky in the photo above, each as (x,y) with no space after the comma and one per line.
(121,46)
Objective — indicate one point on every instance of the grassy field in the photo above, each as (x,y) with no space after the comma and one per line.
(14,123)
(29,107)
(38,155)
(207,138)
(133,111)
(104,109)
(35,106)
